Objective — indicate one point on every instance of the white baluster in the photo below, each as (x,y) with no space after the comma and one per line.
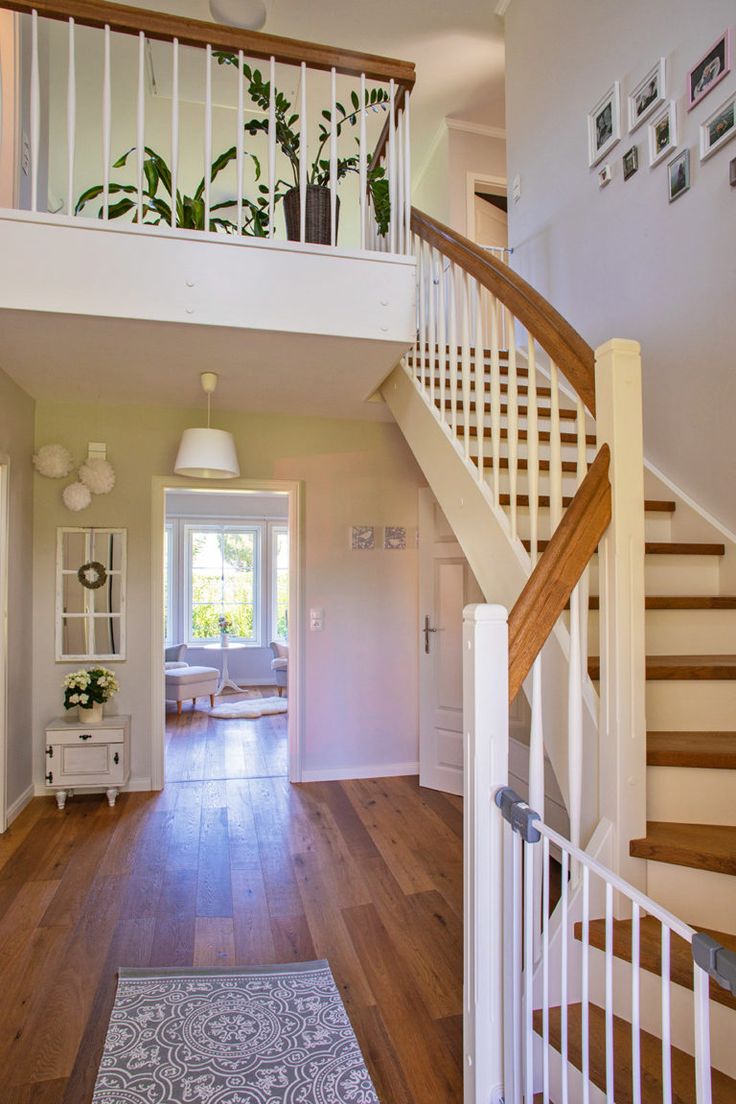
(635,1005)
(536,783)
(584,583)
(465,343)
(480,378)
(585,978)
(666,1019)
(239,146)
(407,166)
(303,158)
(532,450)
(575,722)
(496,401)
(207,135)
(106,125)
(431,325)
(609,995)
(35,111)
(555,453)
(420,364)
(701,997)
(140,124)
(512,420)
(392,165)
(442,358)
(174,130)
(545,967)
(272,149)
(363,170)
(528,921)
(71,119)
(452,357)
(333,157)
(400,245)
(563,978)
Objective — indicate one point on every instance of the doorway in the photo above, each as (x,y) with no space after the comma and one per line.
(487,211)
(4,559)
(225,622)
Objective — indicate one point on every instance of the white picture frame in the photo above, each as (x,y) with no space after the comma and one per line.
(710,141)
(678,175)
(604,125)
(648,95)
(663,134)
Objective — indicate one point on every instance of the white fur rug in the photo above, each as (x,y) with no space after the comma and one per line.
(252,707)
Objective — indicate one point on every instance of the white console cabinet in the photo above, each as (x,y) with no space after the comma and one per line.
(82,756)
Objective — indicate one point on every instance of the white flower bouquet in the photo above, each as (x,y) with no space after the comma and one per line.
(86,688)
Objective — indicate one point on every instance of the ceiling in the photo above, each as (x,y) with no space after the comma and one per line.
(458,48)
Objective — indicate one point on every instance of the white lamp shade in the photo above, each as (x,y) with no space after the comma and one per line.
(207,454)
(249,14)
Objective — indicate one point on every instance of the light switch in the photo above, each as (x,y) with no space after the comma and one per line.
(316,620)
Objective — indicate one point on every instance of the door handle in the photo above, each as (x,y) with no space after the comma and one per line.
(427,630)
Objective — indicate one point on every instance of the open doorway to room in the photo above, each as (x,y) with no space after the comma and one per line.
(487,211)
(227,589)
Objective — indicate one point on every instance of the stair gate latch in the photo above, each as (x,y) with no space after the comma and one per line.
(519,815)
(718,961)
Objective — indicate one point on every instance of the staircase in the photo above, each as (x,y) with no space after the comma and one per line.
(506,445)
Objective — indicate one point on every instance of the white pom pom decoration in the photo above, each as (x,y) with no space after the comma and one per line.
(53,461)
(98,475)
(76,496)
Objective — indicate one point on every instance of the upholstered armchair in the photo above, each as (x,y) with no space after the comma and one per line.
(280,665)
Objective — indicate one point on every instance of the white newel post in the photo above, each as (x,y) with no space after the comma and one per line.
(486,724)
(622,729)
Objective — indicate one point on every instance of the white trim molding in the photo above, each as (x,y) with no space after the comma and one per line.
(343,774)
(476,128)
(502,6)
(20,803)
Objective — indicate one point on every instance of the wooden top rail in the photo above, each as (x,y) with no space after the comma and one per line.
(573,356)
(198,32)
(558,570)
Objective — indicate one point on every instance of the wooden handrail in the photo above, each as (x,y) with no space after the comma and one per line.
(558,570)
(572,355)
(197,32)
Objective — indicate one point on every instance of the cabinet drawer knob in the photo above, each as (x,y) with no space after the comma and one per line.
(50,777)
(116,758)
(85,735)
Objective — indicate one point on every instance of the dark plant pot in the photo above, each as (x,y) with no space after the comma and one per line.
(317,229)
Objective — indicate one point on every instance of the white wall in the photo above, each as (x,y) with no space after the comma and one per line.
(249,666)
(16,447)
(441,184)
(360,672)
(622,261)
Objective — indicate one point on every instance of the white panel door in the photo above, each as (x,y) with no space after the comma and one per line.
(446,586)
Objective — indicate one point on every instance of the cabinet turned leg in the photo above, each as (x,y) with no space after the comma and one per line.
(212,701)
(112,796)
(61,798)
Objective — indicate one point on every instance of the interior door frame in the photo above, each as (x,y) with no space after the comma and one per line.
(4,637)
(473,179)
(293,489)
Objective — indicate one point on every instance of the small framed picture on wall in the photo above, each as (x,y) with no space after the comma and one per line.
(648,95)
(604,125)
(631,162)
(711,69)
(663,134)
(678,175)
(718,129)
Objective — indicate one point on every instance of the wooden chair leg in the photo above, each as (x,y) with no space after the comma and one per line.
(178,708)
(212,701)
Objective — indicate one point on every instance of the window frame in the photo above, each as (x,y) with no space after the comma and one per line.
(278,529)
(195,526)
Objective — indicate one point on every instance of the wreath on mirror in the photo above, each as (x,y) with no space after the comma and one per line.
(92,575)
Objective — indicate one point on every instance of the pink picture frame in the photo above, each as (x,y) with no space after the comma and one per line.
(713,66)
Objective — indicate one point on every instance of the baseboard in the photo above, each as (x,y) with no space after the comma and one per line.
(19,804)
(704,514)
(343,774)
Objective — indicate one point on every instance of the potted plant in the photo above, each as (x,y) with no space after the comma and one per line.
(88,690)
(225,623)
(287,129)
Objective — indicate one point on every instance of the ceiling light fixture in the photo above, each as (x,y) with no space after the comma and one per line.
(248,14)
(207,453)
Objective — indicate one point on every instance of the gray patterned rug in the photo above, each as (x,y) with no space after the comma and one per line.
(251,1035)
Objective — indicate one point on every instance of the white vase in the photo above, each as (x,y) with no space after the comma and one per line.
(224,640)
(93,715)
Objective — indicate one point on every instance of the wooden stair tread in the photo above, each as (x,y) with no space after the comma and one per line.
(715,750)
(680,668)
(650,951)
(703,846)
(683,1065)
(542,411)
(650,505)
(543,392)
(521,464)
(543,435)
(660,548)
(680,602)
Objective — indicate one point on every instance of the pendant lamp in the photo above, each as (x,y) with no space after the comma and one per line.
(207,453)
(248,14)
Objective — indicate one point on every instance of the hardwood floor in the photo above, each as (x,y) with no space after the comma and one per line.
(367,874)
(202,747)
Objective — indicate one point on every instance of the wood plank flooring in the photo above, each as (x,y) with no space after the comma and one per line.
(234,870)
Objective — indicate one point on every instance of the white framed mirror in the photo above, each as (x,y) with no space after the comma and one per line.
(90,594)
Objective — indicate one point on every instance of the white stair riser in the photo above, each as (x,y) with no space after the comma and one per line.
(674,575)
(684,632)
(567,452)
(702,897)
(691,795)
(691,705)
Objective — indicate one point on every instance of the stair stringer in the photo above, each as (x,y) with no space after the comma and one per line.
(501,567)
